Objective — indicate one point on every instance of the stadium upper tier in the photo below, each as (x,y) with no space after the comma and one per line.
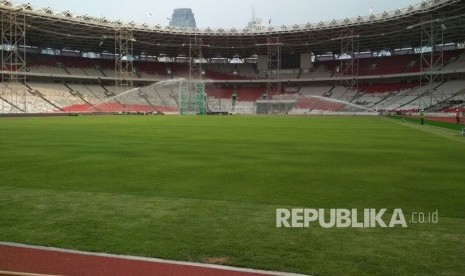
(398,66)
(397,29)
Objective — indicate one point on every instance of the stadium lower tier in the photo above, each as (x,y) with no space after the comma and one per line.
(40,97)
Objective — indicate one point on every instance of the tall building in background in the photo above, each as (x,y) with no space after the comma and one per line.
(256,23)
(183,18)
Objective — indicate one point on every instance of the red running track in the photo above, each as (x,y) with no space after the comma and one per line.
(18,258)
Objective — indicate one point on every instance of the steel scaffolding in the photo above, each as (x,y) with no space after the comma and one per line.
(349,67)
(273,79)
(432,60)
(195,60)
(273,84)
(13,92)
(124,67)
(192,100)
(192,96)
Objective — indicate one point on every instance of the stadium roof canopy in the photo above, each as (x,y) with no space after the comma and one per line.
(397,29)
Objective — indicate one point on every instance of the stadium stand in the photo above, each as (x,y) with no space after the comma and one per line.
(316,90)
(385,65)
(52,97)
(245,94)
(72,80)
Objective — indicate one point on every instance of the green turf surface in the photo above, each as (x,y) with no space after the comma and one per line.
(195,188)
(416,120)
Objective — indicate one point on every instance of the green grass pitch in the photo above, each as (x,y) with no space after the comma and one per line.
(195,188)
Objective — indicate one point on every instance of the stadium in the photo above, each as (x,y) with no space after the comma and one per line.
(351,115)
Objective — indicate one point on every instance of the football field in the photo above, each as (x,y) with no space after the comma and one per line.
(206,189)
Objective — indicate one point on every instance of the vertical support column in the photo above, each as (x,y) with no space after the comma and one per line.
(348,70)
(196,86)
(273,84)
(432,59)
(200,99)
(124,67)
(195,60)
(184,98)
(13,58)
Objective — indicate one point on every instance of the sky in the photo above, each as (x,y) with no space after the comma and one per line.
(226,14)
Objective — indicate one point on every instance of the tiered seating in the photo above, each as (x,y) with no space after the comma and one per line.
(246,94)
(318,104)
(319,71)
(449,58)
(97,90)
(219,104)
(249,94)
(94,72)
(452,56)
(381,88)
(285,97)
(224,68)
(6,107)
(225,71)
(56,93)
(331,66)
(442,93)
(288,74)
(34,104)
(44,69)
(219,76)
(366,65)
(369,100)
(76,65)
(404,100)
(338,92)
(105,67)
(117,107)
(178,69)
(221,93)
(86,93)
(44,64)
(247,70)
(393,64)
(151,69)
(452,87)
(315,90)
(127,98)
(459,63)
(453,109)
(164,98)
(456,102)
(375,93)
(244,107)
(77,108)
(383,96)
(219,71)
(41,60)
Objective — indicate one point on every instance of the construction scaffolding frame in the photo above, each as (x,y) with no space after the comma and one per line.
(349,66)
(273,80)
(192,99)
(432,59)
(13,57)
(195,60)
(192,96)
(124,60)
